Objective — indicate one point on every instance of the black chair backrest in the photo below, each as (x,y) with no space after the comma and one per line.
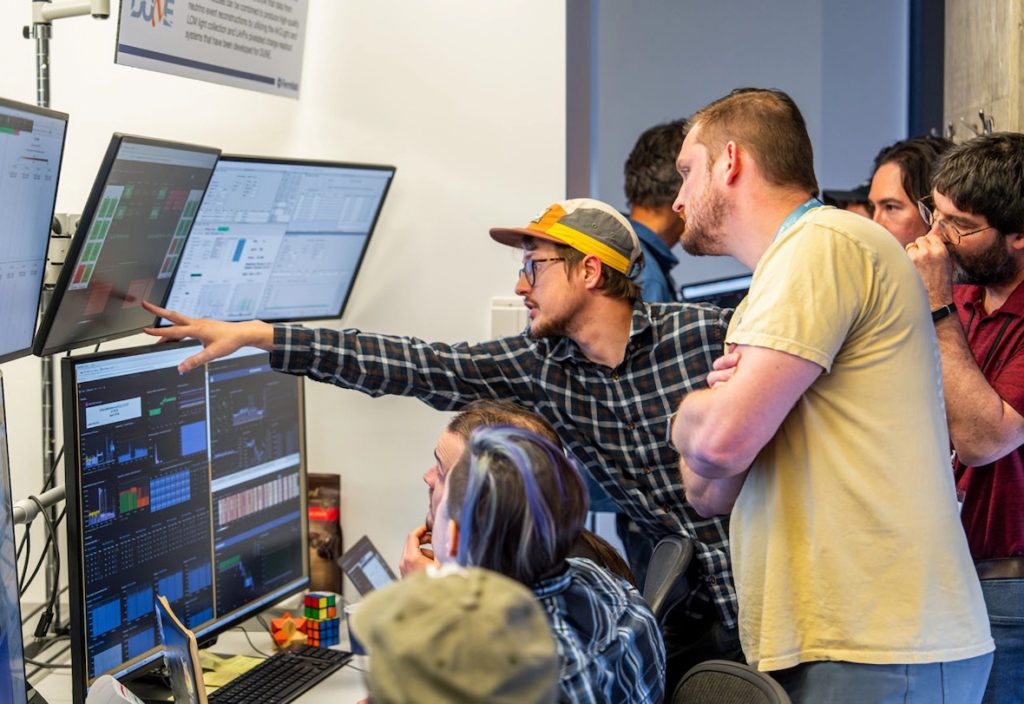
(666,583)
(727,682)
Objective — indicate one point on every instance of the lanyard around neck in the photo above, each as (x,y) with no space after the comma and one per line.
(795,215)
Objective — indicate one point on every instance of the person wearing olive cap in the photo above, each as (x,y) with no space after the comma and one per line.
(457,635)
(606,369)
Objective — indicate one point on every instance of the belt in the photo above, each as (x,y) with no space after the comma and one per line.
(1001,568)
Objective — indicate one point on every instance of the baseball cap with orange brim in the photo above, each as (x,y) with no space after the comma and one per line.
(587,225)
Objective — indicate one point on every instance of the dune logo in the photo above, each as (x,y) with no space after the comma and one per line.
(153,11)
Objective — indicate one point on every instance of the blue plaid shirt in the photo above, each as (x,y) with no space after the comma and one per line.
(614,422)
(607,638)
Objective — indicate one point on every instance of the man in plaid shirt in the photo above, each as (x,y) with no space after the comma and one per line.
(606,369)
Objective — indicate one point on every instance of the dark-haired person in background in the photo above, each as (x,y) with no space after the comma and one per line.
(972,264)
(823,432)
(902,177)
(651,184)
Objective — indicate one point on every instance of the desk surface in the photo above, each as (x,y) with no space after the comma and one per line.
(345,686)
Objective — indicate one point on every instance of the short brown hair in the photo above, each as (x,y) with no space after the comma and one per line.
(768,124)
(486,412)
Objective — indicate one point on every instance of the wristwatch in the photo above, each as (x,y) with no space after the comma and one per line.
(941,312)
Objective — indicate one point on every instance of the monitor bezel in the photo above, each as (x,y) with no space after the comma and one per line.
(5,488)
(75,534)
(45,112)
(287,161)
(40,347)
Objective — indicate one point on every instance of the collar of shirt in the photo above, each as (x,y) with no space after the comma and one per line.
(564,348)
(971,296)
(553,585)
(665,259)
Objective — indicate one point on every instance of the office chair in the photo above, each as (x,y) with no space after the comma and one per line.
(667,584)
(727,682)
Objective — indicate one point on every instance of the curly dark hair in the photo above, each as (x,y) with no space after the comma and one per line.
(985,176)
(917,158)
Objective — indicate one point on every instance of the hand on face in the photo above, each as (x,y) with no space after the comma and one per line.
(414,555)
(930,255)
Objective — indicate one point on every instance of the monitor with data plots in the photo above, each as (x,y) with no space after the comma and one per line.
(126,248)
(31,148)
(190,486)
(279,239)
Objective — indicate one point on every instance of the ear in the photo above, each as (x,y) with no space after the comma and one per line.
(731,160)
(1016,240)
(453,539)
(591,269)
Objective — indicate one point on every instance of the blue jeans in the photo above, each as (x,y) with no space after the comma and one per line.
(1005,601)
(959,681)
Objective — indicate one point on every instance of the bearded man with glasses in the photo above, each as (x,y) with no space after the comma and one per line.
(972,264)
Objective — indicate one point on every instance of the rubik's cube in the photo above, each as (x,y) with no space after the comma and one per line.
(322,621)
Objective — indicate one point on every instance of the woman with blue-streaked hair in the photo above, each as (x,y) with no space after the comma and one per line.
(515,504)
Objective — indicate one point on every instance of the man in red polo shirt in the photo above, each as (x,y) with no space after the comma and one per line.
(972,264)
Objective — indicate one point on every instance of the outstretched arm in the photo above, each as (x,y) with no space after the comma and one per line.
(219,338)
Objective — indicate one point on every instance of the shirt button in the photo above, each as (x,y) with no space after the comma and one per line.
(666,508)
(615,376)
(631,426)
(647,470)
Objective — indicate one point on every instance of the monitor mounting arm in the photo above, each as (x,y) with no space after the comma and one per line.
(44,11)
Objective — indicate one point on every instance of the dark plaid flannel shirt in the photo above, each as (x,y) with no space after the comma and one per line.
(613,422)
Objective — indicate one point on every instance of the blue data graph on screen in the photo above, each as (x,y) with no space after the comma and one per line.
(139,603)
(141,642)
(107,659)
(106,617)
(199,578)
(172,587)
(239,247)
(199,617)
(193,438)
(169,490)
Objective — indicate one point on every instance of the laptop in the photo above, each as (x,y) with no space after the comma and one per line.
(365,567)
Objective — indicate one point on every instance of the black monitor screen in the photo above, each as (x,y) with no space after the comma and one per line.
(724,293)
(12,665)
(127,246)
(31,145)
(278,240)
(190,486)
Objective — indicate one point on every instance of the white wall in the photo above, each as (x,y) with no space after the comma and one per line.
(844,63)
(453,92)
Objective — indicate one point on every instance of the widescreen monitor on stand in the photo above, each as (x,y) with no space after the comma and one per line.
(279,239)
(190,486)
(725,292)
(127,245)
(31,147)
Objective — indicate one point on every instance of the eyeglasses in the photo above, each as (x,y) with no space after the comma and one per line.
(529,269)
(949,231)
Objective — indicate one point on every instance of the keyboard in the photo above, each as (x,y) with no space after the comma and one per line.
(282,677)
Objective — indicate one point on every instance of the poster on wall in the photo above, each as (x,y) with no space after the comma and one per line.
(254,44)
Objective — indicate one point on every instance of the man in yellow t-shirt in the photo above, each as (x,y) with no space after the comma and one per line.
(823,432)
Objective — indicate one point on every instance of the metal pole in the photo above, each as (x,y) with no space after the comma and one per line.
(41,33)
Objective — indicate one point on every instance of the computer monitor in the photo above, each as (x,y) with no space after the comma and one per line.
(126,247)
(724,293)
(31,147)
(190,486)
(279,239)
(13,685)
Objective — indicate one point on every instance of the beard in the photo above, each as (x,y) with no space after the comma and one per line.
(992,266)
(551,328)
(702,234)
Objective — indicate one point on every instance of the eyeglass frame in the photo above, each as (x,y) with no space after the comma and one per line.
(529,268)
(928,215)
